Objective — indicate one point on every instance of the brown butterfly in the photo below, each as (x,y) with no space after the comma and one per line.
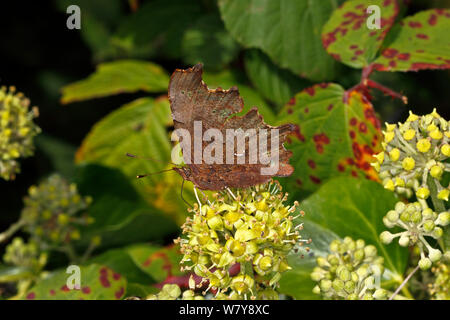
(191,103)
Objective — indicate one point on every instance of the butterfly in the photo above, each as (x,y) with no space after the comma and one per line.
(193,103)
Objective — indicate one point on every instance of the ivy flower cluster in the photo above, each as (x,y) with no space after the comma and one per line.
(349,272)
(27,255)
(53,212)
(250,227)
(417,221)
(17,130)
(416,154)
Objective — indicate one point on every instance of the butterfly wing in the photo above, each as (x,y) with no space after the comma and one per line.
(190,101)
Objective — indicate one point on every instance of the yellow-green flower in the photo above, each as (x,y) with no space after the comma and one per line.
(252,227)
(54,211)
(415,154)
(17,130)
(349,271)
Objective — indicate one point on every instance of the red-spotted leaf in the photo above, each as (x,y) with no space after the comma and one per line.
(96,283)
(422,42)
(159,263)
(337,134)
(347,37)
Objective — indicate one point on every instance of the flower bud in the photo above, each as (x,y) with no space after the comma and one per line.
(386,237)
(443,218)
(425,264)
(444,194)
(434,254)
(404,240)
(423,193)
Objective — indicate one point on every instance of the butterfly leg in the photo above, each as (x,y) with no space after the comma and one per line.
(198,200)
(205,197)
(234,197)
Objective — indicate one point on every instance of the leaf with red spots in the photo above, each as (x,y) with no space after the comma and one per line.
(97,282)
(333,137)
(346,35)
(159,263)
(422,41)
(287,31)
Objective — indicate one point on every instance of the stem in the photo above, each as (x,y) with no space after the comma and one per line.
(385,90)
(11,230)
(70,252)
(88,252)
(404,283)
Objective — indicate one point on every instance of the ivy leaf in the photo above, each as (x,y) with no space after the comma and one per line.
(421,41)
(346,36)
(121,216)
(347,207)
(209,43)
(117,77)
(287,31)
(334,137)
(159,263)
(275,84)
(141,128)
(97,283)
(297,282)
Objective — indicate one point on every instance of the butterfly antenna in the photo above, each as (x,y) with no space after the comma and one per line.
(148,158)
(150,174)
(181,194)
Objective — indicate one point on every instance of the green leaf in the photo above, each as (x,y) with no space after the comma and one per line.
(287,31)
(333,137)
(142,128)
(159,263)
(297,282)
(275,84)
(209,43)
(421,41)
(117,77)
(343,207)
(159,25)
(97,283)
(252,98)
(120,214)
(355,208)
(347,37)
